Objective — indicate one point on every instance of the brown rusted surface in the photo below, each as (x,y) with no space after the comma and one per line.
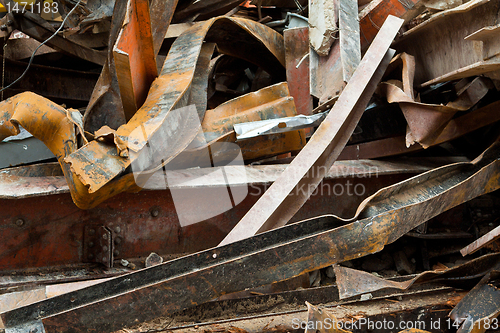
(353,282)
(477,312)
(456,128)
(478,244)
(327,77)
(52,234)
(53,125)
(135,59)
(273,256)
(105,107)
(285,197)
(426,121)
(154,121)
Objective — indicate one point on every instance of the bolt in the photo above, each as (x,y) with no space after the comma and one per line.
(118,229)
(105,248)
(19,222)
(155,212)
(104,259)
(91,244)
(116,253)
(105,236)
(91,231)
(118,240)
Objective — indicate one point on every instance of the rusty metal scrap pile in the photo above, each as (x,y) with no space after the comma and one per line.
(373,126)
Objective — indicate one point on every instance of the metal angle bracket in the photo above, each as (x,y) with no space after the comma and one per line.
(98,245)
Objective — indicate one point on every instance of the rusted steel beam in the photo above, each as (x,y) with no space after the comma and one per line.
(285,197)
(478,244)
(135,59)
(105,107)
(263,259)
(456,128)
(326,72)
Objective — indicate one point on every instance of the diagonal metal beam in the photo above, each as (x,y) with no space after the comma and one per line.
(266,258)
(285,197)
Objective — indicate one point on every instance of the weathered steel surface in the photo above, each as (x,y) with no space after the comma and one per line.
(52,124)
(478,310)
(326,72)
(105,105)
(37,28)
(285,197)
(154,121)
(52,234)
(439,44)
(350,49)
(426,121)
(217,126)
(457,127)
(481,242)
(273,256)
(55,83)
(297,68)
(135,59)
(353,282)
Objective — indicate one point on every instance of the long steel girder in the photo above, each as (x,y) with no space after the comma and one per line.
(285,197)
(272,256)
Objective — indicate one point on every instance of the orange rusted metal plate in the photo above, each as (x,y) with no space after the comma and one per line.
(285,197)
(171,91)
(135,60)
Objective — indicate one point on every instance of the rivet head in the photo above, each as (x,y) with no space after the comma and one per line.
(155,212)
(91,244)
(116,253)
(118,229)
(19,222)
(105,248)
(118,240)
(105,236)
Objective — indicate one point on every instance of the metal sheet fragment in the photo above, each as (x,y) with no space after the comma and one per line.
(350,48)
(265,258)
(427,121)
(456,128)
(51,124)
(285,197)
(352,282)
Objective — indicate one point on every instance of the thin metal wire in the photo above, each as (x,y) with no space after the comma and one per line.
(39,46)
